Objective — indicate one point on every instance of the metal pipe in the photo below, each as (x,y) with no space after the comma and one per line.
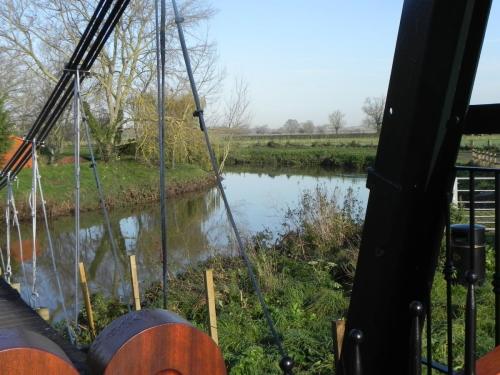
(428,313)
(470,326)
(417,313)
(76,126)
(496,279)
(448,275)
(356,338)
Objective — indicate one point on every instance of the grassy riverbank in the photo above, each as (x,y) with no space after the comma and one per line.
(124,182)
(344,157)
(306,276)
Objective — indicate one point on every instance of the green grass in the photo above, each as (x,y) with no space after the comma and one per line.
(352,158)
(124,182)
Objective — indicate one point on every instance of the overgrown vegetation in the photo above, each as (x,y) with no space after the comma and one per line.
(306,275)
(5,127)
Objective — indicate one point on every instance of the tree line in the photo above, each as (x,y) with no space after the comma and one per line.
(373,108)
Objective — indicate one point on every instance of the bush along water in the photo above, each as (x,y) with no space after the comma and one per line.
(305,274)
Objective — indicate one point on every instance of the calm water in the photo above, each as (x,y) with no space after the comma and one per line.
(197,229)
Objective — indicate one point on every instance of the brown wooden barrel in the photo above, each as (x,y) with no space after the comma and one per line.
(155,342)
(24,352)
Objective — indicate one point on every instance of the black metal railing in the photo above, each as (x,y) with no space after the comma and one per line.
(418,311)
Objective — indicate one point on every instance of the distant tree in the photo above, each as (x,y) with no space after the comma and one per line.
(307,127)
(291,126)
(263,129)
(337,121)
(374,111)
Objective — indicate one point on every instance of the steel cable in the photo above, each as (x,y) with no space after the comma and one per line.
(199,113)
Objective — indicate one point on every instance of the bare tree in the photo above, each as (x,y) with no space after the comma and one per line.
(307,127)
(336,119)
(41,34)
(374,111)
(291,126)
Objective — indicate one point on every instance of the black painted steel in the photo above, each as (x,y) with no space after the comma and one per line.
(482,119)
(428,314)
(470,326)
(355,339)
(417,316)
(496,277)
(434,66)
(215,167)
(101,25)
(448,275)
(286,365)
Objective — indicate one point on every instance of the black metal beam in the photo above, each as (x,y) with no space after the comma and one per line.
(483,119)
(434,66)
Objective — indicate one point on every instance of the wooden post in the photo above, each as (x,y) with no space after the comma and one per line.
(135,283)
(212,315)
(16,286)
(44,313)
(338,331)
(86,297)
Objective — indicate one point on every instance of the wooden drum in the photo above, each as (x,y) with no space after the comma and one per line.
(24,352)
(155,342)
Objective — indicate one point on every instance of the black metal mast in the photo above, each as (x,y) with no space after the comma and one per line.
(435,62)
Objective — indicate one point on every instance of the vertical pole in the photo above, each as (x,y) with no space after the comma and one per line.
(356,339)
(455,192)
(135,283)
(76,119)
(497,259)
(212,314)
(33,219)
(86,297)
(417,312)
(470,307)
(428,325)
(8,270)
(448,275)
(472,221)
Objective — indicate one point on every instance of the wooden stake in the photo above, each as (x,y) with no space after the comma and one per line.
(135,283)
(44,313)
(212,315)
(338,331)
(86,297)
(16,286)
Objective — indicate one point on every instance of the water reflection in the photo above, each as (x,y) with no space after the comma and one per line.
(197,229)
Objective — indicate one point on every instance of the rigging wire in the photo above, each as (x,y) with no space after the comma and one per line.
(8,268)
(286,363)
(160,77)
(114,247)
(71,334)
(76,129)
(91,43)
(34,293)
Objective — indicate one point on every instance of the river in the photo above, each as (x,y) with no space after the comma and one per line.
(197,229)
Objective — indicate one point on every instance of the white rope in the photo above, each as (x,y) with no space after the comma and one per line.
(2,260)
(51,249)
(18,227)
(34,293)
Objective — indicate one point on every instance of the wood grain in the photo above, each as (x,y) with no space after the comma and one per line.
(24,352)
(489,364)
(154,342)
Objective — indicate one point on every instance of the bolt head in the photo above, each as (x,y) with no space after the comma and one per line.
(286,364)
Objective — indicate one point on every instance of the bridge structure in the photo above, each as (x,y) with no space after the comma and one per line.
(427,112)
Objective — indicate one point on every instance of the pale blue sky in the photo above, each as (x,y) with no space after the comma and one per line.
(303,59)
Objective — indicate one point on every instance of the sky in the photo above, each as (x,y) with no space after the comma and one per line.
(304,59)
